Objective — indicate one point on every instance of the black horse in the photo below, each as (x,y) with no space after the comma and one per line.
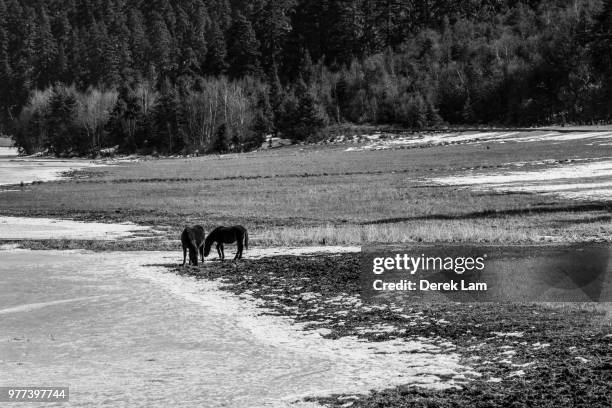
(192,238)
(227,235)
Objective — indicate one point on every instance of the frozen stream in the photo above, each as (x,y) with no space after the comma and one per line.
(121,331)
(16,170)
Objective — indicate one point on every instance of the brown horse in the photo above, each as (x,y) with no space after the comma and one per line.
(192,238)
(227,235)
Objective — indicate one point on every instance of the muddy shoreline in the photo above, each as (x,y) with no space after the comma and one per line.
(563,354)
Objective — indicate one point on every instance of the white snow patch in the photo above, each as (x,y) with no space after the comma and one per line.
(434,139)
(518,373)
(582,359)
(260,252)
(523,365)
(20,228)
(204,346)
(8,151)
(563,137)
(28,170)
(538,345)
(41,305)
(372,365)
(309,296)
(562,172)
(590,180)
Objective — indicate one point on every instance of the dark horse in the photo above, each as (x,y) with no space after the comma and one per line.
(192,238)
(227,235)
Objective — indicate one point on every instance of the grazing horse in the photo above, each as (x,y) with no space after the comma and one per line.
(227,235)
(192,238)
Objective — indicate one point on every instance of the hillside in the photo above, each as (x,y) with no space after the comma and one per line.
(214,75)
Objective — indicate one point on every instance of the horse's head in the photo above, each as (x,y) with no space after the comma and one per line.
(207,244)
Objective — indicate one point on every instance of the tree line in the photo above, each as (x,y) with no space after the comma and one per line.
(219,75)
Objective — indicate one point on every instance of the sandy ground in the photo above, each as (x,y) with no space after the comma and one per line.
(20,228)
(377,142)
(590,180)
(119,330)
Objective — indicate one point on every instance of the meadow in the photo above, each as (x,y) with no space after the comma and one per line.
(348,193)
(324,194)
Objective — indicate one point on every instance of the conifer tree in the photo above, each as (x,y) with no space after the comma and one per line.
(221,139)
(216,57)
(272,24)
(5,70)
(160,49)
(264,119)
(124,122)
(167,119)
(138,41)
(44,49)
(300,119)
(276,98)
(63,137)
(601,52)
(243,49)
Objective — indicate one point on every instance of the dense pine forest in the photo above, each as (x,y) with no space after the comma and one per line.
(77,76)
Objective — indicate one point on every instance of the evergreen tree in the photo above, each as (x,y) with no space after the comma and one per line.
(300,119)
(194,38)
(601,53)
(310,31)
(161,45)
(125,121)
(217,52)
(167,120)
(389,61)
(264,120)
(44,49)
(220,12)
(62,30)
(272,26)
(5,70)
(221,138)
(119,48)
(138,41)
(77,57)
(276,98)
(243,49)
(63,135)
(372,35)
(345,32)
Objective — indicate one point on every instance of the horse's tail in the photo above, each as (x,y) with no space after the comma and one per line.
(246,239)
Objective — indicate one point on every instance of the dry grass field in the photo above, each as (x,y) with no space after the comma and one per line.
(361,193)
(326,194)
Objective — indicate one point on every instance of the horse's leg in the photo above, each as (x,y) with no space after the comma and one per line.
(202,252)
(184,255)
(219,251)
(222,251)
(239,251)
